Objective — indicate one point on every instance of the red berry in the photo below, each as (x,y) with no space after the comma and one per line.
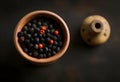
(51,41)
(56,32)
(44,28)
(42,31)
(40,45)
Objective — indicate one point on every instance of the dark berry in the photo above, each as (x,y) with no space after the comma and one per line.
(48,34)
(31,30)
(59,37)
(39,23)
(42,40)
(40,35)
(24,32)
(44,55)
(53,52)
(58,49)
(37,29)
(30,53)
(25,49)
(44,35)
(21,39)
(50,46)
(20,34)
(30,45)
(46,49)
(41,50)
(35,21)
(55,42)
(45,23)
(28,35)
(54,37)
(51,26)
(52,31)
(29,24)
(40,56)
(54,47)
(25,28)
(49,50)
(27,41)
(35,54)
(35,35)
(37,40)
(34,25)
(47,30)
(60,43)
(49,54)
(32,39)
(48,39)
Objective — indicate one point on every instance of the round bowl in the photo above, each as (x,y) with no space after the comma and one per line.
(50,15)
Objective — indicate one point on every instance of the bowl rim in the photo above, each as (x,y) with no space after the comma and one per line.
(29,17)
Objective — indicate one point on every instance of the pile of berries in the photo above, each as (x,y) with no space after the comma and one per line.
(41,37)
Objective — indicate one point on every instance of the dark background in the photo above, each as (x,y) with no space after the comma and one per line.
(80,63)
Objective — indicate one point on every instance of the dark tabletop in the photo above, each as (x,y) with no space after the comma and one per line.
(80,63)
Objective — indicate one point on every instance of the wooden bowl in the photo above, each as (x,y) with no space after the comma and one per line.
(51,15)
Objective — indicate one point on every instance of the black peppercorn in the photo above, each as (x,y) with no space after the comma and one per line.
(35,54)
(41,38)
